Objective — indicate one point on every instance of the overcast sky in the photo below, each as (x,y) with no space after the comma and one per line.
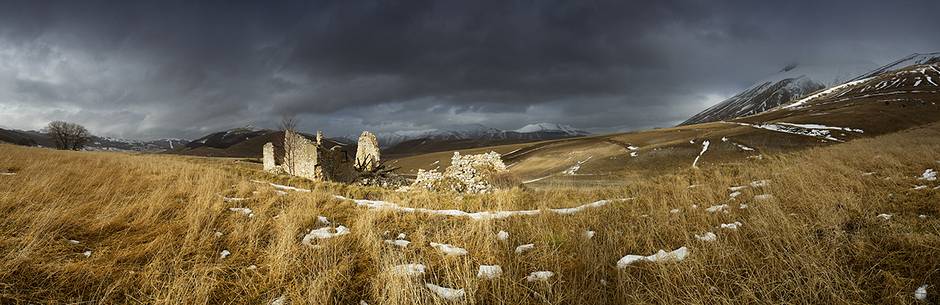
(155,69)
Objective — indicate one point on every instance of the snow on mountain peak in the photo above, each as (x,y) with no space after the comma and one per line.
(542,127)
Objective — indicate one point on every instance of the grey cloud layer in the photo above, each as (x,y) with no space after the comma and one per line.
(181,69)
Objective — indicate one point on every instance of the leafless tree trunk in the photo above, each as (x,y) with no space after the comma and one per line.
(68,135)
(289,125)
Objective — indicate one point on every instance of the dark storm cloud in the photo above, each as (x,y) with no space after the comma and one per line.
(163,69)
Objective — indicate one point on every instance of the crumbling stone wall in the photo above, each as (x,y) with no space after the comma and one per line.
(301,156)
(367,152)
(267,157)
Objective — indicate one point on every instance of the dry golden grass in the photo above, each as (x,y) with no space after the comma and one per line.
(150,222)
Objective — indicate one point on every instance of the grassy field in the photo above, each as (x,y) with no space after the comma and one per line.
(110,228)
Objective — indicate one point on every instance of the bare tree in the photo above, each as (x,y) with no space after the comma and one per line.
(67,135)
(289,125)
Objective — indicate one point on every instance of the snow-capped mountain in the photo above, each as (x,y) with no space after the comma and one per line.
(551,127)
(795,82)
(762,97)
(537,131)
(116,144)
(453,132)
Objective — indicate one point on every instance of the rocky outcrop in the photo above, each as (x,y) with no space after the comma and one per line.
(367,153)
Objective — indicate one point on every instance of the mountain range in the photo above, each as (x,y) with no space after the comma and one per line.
(96,143)
(247,141)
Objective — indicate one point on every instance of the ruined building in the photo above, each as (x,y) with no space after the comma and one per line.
(299,156)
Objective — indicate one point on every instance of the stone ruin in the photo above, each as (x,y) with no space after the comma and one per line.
(367,153)
(302,157)
(311,159)
(466,174)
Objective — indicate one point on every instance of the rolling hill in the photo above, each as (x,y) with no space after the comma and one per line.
(477,136)
(243,143)
(884,103)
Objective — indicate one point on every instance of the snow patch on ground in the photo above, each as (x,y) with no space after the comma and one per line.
(885,216)
(820,126)
(928,175)
(707,236)
(824,92)
(408,269)
(790,129)
(661,256)
(449,249)
(575,168)
(449,294)
(224,254)
(717,208)
(589,234)
(401,243)
(281,300)
(245,211)
(502,235)
(921,293)
(489,272)
(731,226)
(377,204)
(323,233)
(742,147)
(283,187)
(539,276)
(523,248)
(704,148)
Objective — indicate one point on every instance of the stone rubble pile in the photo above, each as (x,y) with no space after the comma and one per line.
(466,174)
